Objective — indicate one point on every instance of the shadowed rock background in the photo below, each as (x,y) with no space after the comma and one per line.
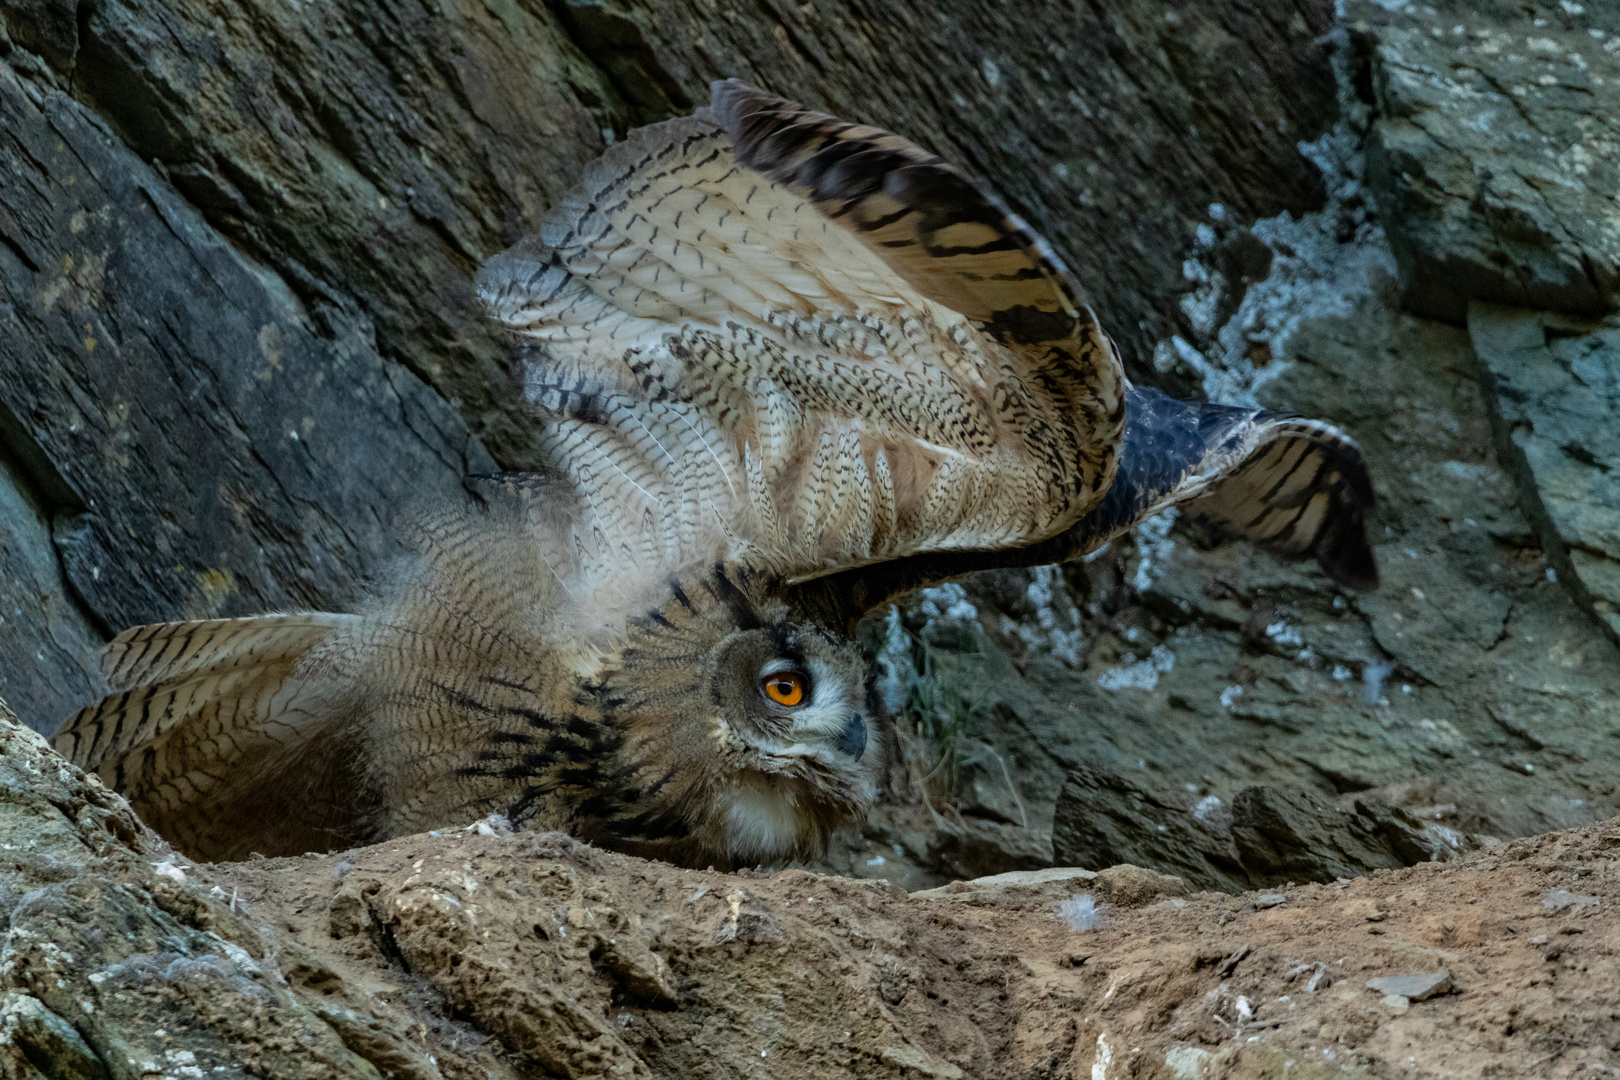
(238,340)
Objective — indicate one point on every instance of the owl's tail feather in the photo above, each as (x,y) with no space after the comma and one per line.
(202,712)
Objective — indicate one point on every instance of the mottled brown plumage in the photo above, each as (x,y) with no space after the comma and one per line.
(789,367)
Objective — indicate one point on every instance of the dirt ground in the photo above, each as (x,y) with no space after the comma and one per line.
(576,962)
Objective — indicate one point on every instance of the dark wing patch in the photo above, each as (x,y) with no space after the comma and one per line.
(951,241)
(1164,441)
(1295,487)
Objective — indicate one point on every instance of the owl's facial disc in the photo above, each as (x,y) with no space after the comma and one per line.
(805,702)
(747,734)
(791,694)
(796,739)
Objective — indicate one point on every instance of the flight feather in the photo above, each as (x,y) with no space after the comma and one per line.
(801,366)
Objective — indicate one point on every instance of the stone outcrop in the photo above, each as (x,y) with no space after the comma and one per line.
(1265,837)
(1554,381)
(1495,157)
(486,953)
(116,965)
(1494,153)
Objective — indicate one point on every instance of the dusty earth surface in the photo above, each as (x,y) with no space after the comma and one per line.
(483,953)
(796,974)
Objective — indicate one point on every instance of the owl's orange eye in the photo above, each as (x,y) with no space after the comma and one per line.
(785,687)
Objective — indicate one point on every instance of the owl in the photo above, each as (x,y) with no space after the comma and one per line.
(789,368)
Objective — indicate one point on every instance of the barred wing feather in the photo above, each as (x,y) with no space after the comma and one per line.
(201,708)
(764,335)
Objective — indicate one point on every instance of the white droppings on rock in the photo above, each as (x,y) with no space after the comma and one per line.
(1154,543)
(947,601)
(1283,634)
(1104,1058)
(1054,627)
(1313,275)
(1372,681)
(1139,674)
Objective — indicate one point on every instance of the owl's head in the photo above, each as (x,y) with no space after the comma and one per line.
(748,735)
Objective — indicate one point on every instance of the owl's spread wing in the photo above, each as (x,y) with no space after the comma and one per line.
(952,242)
(767,336)
(202,708)
(1299,488)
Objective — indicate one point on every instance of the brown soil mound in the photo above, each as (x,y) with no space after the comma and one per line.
(583,963)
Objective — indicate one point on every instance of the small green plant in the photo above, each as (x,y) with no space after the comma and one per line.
(932,682)
(931,692)
(943,711)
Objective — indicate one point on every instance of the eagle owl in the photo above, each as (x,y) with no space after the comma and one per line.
(789,368)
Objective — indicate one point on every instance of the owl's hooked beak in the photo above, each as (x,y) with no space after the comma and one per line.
(852,740)
(773,756)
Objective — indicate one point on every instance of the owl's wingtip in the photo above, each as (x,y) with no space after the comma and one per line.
(743,111)
(1347,557)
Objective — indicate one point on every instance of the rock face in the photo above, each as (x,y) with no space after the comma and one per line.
(1266,837)
(1493,155)
(1556,387)
(152,354)
(109,949)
